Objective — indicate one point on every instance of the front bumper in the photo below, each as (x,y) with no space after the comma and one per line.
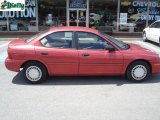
(156,68)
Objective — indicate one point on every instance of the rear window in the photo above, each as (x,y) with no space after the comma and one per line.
(35,36)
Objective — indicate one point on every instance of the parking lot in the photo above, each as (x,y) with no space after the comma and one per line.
(78,98)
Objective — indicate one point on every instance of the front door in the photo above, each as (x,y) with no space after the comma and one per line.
(155,31)
(77,17)
(94,59)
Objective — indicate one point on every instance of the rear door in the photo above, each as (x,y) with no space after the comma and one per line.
(58,52)
(94,58)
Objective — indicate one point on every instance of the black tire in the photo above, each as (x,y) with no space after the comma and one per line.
(39,75)
(159,42)
(138,71)
(144,37)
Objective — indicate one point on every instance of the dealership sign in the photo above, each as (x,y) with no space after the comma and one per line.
(12,5)
(145,10)
(78,4)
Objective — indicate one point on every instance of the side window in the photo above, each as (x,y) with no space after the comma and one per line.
(91,41)
(58,40)
(155,25)
(158,25)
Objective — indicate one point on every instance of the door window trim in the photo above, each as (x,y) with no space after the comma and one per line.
(73,40)
(154,25)
(77,40)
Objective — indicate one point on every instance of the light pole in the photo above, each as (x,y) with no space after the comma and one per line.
(147,12)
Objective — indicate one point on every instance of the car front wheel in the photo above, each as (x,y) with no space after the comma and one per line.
(138,71)
(34,72)
(144,37)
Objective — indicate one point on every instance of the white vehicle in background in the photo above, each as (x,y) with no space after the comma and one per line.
(152,32)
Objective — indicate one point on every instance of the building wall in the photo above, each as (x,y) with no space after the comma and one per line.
(123,15)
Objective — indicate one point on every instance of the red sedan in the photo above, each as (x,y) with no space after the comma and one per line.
(79,51)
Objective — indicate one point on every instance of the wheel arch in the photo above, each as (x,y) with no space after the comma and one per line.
(138,60)
(144,32)
(22,66)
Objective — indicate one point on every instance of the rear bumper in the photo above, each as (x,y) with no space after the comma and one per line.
(13,65)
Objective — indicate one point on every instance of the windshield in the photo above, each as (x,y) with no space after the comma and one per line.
(35,36)
(120,44)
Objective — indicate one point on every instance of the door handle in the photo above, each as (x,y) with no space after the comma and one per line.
(85,55)
(44,53)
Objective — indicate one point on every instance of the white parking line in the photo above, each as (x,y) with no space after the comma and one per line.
(3,52)
(129,39)
(146,45)
(3,45)
(2,39)
(149,46)
(3,56)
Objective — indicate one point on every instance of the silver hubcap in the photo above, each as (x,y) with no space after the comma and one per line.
(139,72)
(33,73)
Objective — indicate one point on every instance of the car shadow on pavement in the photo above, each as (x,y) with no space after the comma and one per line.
(85,80)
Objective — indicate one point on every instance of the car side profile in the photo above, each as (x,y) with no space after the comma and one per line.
(152,32)
(79,51)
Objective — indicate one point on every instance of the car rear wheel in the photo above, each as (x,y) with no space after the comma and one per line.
(34,72)
(138,71)
(144,37)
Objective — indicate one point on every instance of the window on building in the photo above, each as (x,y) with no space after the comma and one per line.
(135,15)
(103,13)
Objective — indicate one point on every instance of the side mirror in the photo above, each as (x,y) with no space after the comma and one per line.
(110,48)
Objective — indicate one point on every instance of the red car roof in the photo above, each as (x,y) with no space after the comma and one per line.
(75,28)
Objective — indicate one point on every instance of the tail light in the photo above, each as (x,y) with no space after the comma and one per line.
(9,53)
(9,56)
